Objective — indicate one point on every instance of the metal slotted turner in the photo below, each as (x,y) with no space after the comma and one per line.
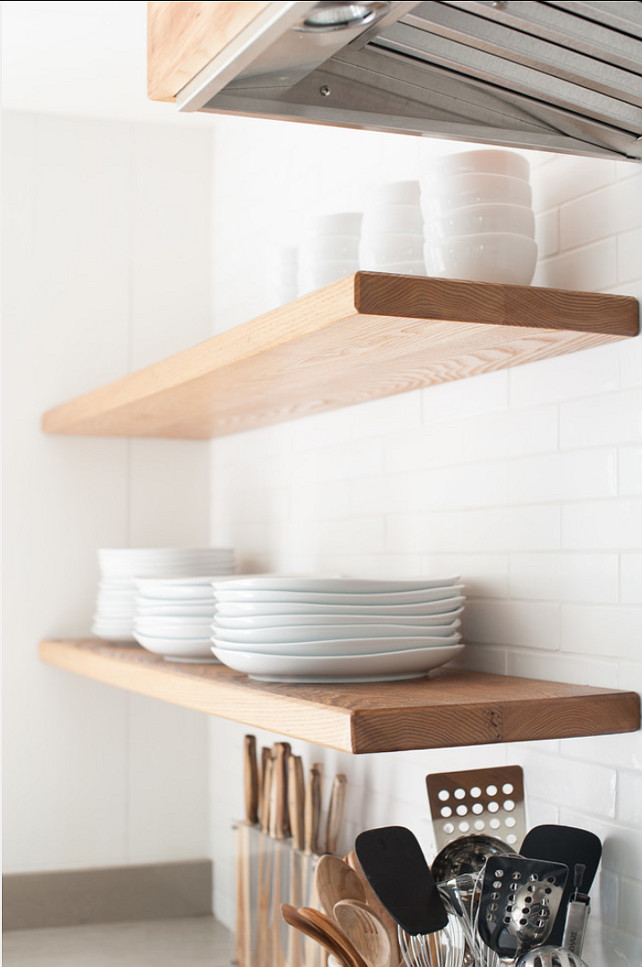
(519,901)
(478,801)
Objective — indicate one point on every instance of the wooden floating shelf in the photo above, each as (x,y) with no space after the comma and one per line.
(448,708)
(361,338)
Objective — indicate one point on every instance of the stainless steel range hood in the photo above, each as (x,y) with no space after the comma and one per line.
(559,76)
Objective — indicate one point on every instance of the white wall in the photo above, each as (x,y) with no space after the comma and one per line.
(105,253)
(527,481)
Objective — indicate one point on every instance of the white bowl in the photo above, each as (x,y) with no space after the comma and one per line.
(515,219)
(328,247)
(375,250)
(395,193)
(493,161)
(337,223)
(461,191)
(493,257)
(177,649)
(402,268)
(325,271)
(399,219)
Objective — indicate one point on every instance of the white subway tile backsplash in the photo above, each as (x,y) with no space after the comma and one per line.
(569,177)
(570,475)
(608,632)
(589,269)
(418,449)
(511,433)
(424,533)
(547,233)
(525,624)
(565,577)
(446,402)
(601,420)
(629,255)
(604,213)
(558,667)
(565,377)
(582,786)
(531,528)
(631,578)
(629,804)
(630,471)
(602,525)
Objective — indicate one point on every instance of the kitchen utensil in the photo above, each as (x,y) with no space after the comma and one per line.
(478,801)
(467,854)
(550,956)
(300,922)
(569,845)
(366,931)
(296,794)
(577,913)
(396,868)
(518,903)
(327,933)
(251,780)
(336,881)
(444,948)
(335,812)
(375,904)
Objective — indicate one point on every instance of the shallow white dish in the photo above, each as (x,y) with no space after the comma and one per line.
(160,609)
(244,608)
(332,585)
(115,633)
(182,632)
(179,594)
(385,666)
(493,257)
(316,620)
(364,599)
(178,649)
(332,649)
(321,635)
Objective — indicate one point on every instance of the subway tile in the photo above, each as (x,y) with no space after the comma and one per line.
(481,657)
(604,213)
(573,785)
(531,528)
(560,667)
(620,751)
(622,848)
(569,177)
(588,269)
(570,475)
(583,373)
(326,501)
(631,357)
(525,624)
(630,471)
(385,416)
(629,255)
(424,447)
(511,434)
(356,458)
(629,806)
(607,632)
(547,233)
(423,533)
(397,567)
(446,402)
(629,906)
(564,577)
(448,488)
(631,578)
(321,430)
(484,575)
(360,535)
(595,525)
(603,420)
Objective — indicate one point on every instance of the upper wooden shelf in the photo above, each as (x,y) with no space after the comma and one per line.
(361,338)
(448,708)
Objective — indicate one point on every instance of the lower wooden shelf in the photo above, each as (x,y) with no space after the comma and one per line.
(450,707)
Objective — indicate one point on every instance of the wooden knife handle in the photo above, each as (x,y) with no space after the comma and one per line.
(335,812)
(296,796)
(281,822)
(251,777)
(312,809)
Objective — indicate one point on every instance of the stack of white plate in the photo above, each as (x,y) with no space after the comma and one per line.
(297,629)
(174,617)
(478,217)
(119,566)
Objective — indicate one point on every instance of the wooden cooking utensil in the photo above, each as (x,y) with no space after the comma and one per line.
(375,904)
(251,780)
(295,918)
(335,934)
(363,927)
(335,812)
(335,881)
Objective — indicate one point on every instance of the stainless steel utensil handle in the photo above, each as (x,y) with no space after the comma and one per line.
(576,917)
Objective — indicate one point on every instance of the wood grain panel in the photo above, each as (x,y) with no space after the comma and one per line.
(182,37)
(361,338)
(447,708)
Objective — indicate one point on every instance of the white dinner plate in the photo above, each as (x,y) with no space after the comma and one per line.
(178,593)
(319,634)
(359,647)
(178,649)
(451,620)
(244,608)
(277,582)
(382,667)
(160,609)
(320,597)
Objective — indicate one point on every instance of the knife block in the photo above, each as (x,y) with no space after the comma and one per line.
(270,872)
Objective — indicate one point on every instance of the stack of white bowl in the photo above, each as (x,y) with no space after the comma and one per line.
(119,567)
(392,231)
(329,250)
(174,617)
(478,218)
(300,629)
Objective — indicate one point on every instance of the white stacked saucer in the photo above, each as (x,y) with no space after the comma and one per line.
(294,629)
(116,599)
(174,617)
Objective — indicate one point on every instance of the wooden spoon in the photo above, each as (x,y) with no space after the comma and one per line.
(363,927)
(317,928)
(334,881)
(375,904)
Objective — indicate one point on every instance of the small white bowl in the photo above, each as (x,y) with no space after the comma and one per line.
(337,247)
(515,219)
(462,191)
(395,193)
(493,161)
(402,268)
(377,249)
(315,275)
(337,223)
(398,219)
(495,257)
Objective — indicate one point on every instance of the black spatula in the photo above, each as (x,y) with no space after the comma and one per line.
(396,869)
(573,847)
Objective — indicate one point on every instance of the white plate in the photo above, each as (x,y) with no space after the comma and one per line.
(160,609)
(318,634)
(359,647)
(247,622)
(169,583)
(271,608)
(182,593)
(278,582)
(319,597)
(178,649)
(166,630)
(385,666)
(113,634)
